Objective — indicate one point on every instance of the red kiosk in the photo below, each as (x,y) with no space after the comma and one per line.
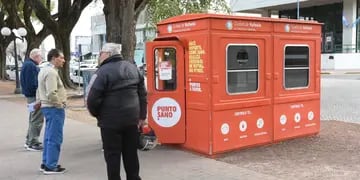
(217,83)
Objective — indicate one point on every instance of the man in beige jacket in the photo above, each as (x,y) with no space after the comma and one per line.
(52,95)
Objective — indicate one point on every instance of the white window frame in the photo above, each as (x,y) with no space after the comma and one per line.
(250,70)
(308,68)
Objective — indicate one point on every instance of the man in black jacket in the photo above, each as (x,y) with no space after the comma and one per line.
(117,98)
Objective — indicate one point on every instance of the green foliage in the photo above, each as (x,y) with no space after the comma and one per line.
(158,10)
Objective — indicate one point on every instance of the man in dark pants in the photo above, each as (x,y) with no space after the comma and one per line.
(29,84)
(117,98)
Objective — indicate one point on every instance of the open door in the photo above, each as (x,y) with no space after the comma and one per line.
(166,90)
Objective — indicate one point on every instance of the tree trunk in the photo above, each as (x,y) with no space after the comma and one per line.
(114,18)
(62,42)
(128,30)
(120,19)
(33,42)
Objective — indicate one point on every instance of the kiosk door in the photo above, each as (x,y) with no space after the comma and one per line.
(166,90)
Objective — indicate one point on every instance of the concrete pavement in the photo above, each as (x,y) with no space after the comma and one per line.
(82,155)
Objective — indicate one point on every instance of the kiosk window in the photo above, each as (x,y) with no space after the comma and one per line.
(242,68)
(165,69)
(296,73)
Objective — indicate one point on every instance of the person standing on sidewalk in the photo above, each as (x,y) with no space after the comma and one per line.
(52,95)
(117,98)
(29,84)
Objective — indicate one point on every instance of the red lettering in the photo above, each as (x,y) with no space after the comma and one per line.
(165,114)
(166,108)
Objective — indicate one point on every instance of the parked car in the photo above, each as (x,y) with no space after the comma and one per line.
(76,72)
(11,71)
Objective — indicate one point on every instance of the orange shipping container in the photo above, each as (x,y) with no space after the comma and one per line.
(217,83)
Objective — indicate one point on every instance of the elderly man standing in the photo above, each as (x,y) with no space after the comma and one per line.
(117,98)
(52,95)
(29,85)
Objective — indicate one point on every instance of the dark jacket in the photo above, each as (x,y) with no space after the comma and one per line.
(29,78)
(117,95)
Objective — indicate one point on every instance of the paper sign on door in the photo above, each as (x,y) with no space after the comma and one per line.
(165,70)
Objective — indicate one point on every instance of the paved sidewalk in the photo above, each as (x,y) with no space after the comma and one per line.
(82,155)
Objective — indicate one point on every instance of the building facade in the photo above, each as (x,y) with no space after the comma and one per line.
(340,32)
(142,33)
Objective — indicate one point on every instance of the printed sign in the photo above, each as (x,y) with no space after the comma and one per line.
(196,63)
(283,119)
(260,123)
(310,115)
(225,129)
(243,126)
(166,112)
(181,27)
(195,86)
(297,118)
(298,28)
(165,70)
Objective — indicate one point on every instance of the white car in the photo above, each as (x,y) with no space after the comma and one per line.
(76,72)
(11,71)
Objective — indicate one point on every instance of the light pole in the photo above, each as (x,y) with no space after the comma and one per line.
(15,34)
(298,9)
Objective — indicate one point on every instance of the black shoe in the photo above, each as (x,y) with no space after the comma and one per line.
(35,148)
(42,167)
(57,170)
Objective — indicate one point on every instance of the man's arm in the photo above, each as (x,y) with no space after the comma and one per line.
(34,78)
(94,98)
(142,98)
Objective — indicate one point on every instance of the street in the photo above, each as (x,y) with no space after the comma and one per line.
(340,97)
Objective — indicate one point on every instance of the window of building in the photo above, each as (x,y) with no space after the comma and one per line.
(165,69)
(242,68)
(296,68)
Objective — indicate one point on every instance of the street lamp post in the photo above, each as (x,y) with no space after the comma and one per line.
(16,34)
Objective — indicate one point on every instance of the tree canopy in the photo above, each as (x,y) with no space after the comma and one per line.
(15,14)
(161,9)
(61,23)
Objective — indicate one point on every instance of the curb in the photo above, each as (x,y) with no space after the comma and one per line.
(339,73)
(355,72)
(325,73)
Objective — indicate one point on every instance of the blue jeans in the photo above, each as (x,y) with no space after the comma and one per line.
(53,136)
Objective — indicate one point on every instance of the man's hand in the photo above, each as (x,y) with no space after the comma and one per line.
(142,122)
(37,106)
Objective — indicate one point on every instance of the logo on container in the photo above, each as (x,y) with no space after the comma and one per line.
(229,25)
(225,128)
(166,112)
(287,28)
(169,28)
(243,126)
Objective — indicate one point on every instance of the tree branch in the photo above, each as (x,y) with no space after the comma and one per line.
(48,4)
(27,18)
(63,8)
(55,16)
(43,33)
(44,14)
(11,7)
(75,11)
(140,6)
